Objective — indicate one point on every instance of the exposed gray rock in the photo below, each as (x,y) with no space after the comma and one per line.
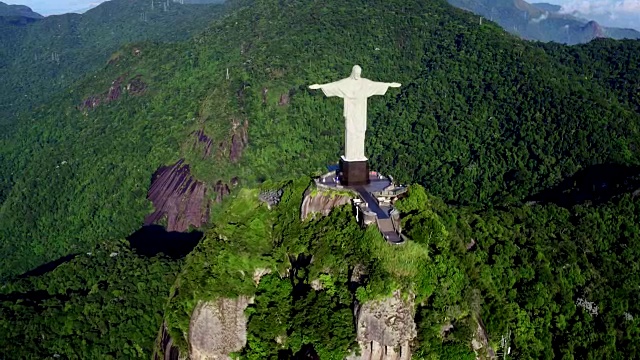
(385,328)
(322,202)
(218,328)
(480,342)
(271,197)
(259,273)
(317,285)
(358,273)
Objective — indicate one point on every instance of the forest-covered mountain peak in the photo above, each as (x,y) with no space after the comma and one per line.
(18,11)
(41,57)
(483,121)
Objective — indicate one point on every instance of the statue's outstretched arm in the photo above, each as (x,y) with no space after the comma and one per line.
(394,85)
(330,89)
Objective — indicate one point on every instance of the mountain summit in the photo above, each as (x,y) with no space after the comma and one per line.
(18,11)
(542,21)
(41,56)
(221,132)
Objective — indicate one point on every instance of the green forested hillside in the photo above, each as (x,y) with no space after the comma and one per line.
(18,11)
(105,304)
(483,122)
(40,58)
(539,279)
(482,117)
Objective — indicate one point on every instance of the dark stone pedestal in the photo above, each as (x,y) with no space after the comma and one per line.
(354,173)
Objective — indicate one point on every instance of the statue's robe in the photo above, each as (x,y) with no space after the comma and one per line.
(355,93)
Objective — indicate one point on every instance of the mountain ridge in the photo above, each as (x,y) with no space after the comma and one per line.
(55,51)
(537,83)
(483,121)
(18,11)
(544,23)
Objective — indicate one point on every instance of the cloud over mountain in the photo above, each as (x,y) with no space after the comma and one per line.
(621,13)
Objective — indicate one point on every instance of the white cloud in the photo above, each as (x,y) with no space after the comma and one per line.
(599,7)
(621,13)
(541,18)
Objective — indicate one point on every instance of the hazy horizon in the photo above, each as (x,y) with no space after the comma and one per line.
(56,7)
(612,13)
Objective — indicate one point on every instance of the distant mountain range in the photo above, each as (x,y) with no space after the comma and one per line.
(41,55)
(542,21)
(18,11)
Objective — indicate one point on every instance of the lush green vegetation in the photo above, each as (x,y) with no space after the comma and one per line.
(43,57)
(482,118)
(532,274)
(105,304)
(483,122)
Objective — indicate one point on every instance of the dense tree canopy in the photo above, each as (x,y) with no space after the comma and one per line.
(483,123)
(482,117)
(41,57)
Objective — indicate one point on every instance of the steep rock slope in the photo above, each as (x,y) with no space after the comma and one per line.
(178,198)
(318,202)
(218,328)
(386,328)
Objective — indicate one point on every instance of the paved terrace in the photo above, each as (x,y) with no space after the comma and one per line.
(377,183)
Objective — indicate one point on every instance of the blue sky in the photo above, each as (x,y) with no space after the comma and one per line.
(52,7)
(622,13)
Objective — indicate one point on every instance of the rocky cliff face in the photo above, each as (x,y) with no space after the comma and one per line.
(321,203)
(385,328)
(177,196)
(239,140)
(218,328)
(135,86)
(594,30)
(165,349)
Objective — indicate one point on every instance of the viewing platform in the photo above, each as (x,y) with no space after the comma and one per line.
(373,202)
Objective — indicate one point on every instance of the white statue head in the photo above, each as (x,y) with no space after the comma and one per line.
(355,72)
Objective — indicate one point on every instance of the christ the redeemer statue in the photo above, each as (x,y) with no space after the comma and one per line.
(355,90)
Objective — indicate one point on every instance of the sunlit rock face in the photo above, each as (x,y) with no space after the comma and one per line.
(178,197)
(321,203)
(385,328)
(218,328)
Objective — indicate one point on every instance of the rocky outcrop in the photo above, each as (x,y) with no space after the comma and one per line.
(221,190)
(385,329)
(232,147)
(218,328)
(271,197)
(115,90)
(202,140)
(178,197)
(135,86)
(165,349)
(480,342)
(239,140)
(593,30)
(321,202)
